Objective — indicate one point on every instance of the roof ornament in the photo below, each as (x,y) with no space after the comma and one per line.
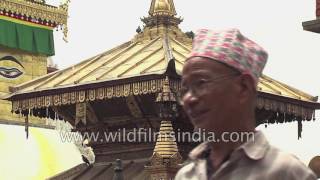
(162,12)
(166,153)
(162,7)
(65,6)
(138,30)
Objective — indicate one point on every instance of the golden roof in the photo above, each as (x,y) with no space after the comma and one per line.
(272,86)
(136,58)
(143,55)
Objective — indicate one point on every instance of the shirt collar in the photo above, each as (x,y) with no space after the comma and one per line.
(202,151)
(255,148)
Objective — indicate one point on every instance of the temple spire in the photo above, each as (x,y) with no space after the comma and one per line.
(162,12)
(166,146)
(162,8)
(166,159)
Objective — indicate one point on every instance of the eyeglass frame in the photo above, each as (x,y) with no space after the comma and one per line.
(197,91)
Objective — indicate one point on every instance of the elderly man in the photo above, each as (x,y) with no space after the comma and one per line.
(218,93)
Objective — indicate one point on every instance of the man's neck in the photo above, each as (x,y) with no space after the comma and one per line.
(221,151)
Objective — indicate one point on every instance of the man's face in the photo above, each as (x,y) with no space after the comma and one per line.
(208,94)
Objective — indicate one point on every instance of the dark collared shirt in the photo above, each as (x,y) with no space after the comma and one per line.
(254,160)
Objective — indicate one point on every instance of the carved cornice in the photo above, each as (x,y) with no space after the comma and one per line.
(153,21)
(305,110)
(116,91)
(36,10)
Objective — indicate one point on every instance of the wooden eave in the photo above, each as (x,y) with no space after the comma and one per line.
(83,87)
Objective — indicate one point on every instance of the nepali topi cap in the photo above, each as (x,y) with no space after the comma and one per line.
(230,47)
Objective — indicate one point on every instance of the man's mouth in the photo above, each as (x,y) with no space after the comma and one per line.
(197,114)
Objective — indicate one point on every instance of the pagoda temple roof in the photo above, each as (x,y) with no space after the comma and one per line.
(131,59)
(134,59)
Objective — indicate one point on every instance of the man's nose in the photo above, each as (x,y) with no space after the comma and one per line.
(189,100)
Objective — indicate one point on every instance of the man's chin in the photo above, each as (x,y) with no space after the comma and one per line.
(201,123)
(207,124)
(199,120)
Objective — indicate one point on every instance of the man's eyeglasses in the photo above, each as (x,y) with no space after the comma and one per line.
(201,86)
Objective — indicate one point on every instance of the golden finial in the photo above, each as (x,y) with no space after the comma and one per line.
(161,13)
(162,7)
(166,86)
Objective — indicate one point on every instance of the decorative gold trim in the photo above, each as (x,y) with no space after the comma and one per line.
(141,88)
(124,90)
(19,21)
(286,108)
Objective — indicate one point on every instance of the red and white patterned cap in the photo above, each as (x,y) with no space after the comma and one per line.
(231,48)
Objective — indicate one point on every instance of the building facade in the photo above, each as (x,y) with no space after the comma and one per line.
(26,41)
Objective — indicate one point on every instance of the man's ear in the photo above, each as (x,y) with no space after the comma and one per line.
(246,87)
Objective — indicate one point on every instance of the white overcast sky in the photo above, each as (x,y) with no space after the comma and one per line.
(99,25)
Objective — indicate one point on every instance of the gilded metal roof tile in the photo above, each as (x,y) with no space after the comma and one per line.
(269,85)
(154,66)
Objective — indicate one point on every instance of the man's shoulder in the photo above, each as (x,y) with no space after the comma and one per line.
(185,171)
(192,170)
(287,165)
(283,158)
